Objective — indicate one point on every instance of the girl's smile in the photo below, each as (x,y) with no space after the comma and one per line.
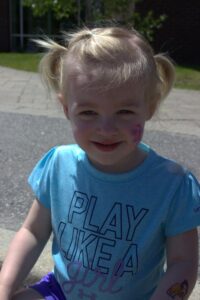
(105,146)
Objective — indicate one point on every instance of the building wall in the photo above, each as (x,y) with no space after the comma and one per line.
(4,26)
(180,33)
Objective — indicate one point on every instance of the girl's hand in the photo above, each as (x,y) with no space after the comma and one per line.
(4,294)
(25,249)
(182,263)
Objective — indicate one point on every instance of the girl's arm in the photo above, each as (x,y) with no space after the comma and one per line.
(182,264)
(25,249)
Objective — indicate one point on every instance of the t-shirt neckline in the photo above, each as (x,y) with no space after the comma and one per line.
(119,177)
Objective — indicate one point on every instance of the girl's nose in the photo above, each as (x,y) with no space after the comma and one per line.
(107,126)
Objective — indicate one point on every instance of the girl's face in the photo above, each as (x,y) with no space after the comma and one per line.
(108,124)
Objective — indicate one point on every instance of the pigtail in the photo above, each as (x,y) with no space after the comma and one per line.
(166,74)
(76,37)
(51,64)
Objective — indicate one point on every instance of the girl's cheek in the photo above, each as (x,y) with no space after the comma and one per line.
(80,129)
(137,133)
(79,125)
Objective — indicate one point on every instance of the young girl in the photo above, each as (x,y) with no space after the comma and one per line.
(117,209)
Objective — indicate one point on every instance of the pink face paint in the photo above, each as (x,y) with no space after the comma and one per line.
(137,132)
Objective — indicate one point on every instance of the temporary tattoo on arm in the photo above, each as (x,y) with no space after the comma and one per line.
(178,290)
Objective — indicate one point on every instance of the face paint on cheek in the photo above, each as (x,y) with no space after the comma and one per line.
(137,132)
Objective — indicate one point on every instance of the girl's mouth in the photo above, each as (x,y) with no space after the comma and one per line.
(107,147)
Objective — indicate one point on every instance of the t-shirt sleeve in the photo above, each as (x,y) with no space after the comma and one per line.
(184,211)
(40,177)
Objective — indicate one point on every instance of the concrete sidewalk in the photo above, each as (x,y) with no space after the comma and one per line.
(22,92)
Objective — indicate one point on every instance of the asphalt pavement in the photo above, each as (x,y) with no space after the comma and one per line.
(32,121)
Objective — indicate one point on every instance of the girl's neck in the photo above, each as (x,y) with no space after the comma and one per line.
(129,164)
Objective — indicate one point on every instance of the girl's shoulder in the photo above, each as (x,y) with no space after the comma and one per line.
(62,151)
(64,155)
(171,172)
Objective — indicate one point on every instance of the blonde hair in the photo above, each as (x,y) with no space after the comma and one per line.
(118,54)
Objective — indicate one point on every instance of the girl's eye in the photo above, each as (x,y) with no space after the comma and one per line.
(88,113)
(125,112)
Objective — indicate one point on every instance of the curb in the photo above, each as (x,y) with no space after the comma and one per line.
(45,263)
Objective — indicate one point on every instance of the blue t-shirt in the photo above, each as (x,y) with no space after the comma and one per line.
(110,230)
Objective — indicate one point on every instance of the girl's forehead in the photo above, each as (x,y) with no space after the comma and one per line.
(81,75)
(83,83)
(94,80)
(84,79)
(99,78)
(82,88)
(89,82)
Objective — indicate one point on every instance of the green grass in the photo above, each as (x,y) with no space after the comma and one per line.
(20,61)
(186,77)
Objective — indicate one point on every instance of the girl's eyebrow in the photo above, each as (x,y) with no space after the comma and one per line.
(129,103)
(90,104)
(122,103)
(85,104)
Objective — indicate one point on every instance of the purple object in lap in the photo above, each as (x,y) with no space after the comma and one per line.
(49,288)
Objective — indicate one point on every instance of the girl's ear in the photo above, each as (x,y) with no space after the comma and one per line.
(152,107)
(63,103)
(150,112)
